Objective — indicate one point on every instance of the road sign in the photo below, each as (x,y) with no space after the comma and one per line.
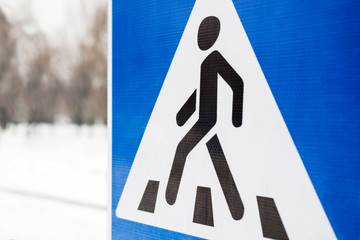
(219,126)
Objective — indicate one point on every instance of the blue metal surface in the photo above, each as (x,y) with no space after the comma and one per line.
(309,52)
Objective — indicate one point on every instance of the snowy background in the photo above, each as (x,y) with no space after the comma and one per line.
(53,182)
(53,135)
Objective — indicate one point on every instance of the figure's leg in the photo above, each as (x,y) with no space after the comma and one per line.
(225,177)
(191,139)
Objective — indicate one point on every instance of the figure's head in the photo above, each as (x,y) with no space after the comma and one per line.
(208,32)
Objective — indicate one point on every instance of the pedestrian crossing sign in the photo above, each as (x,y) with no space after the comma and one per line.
(208,124)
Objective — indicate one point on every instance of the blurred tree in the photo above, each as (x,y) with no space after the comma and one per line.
(33,86)
(43,87)
(7,44)
(87,101)
(99,31)
(10,82)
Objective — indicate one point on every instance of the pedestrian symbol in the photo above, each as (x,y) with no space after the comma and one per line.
(213,65)
(216,159)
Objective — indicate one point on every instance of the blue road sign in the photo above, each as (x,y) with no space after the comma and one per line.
(297,61)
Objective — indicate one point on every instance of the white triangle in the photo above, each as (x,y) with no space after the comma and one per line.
(261,154)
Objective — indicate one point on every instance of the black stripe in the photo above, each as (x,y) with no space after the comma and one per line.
(148,200)
(271,223)
(203,213)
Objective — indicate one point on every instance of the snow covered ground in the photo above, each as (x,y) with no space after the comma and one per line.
(53,182)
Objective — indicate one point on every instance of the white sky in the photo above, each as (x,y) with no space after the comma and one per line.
(60,20)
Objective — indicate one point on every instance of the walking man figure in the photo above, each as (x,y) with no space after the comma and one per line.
(213,65)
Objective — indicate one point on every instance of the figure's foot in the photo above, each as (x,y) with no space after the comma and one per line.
(226,179)
(171,193)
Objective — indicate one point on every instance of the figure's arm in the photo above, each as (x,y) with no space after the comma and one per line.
(186,110)
(237,86)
